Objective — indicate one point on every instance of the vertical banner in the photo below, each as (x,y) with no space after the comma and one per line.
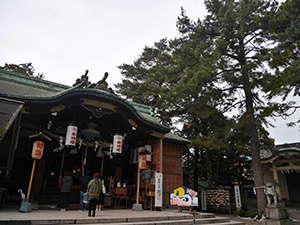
(203,201)
(158,189)
(238,201)
(71,135)
(117,144)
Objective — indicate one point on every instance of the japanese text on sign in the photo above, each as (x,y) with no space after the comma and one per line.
(158,189)
(117,144)
(142,161)
(71,135)
(37,149)
(238,201)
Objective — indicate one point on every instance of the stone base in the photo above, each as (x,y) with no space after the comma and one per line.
(25,206)
(277,215)
(137,207)
(279,222)
(277,212)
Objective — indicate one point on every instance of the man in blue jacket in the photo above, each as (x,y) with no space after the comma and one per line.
(83,182)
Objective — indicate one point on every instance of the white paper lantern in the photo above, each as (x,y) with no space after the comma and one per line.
(71,135)
(117,144)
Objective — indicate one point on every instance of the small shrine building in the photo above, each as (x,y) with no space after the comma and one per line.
(281,166)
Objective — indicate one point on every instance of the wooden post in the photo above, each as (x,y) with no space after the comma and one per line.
(61,167)
(138,187)
(31,177)
(82,163)
(102,165)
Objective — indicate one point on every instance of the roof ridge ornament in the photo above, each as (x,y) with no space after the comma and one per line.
(83,81)
(102,83)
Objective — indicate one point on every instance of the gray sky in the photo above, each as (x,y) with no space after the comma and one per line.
(63,38)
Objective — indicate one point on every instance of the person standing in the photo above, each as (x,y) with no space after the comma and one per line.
(83,182)
(101,197)
(66,184)
(94,189)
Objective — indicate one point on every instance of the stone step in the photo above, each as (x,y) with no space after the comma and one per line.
(112,217)
(154,221)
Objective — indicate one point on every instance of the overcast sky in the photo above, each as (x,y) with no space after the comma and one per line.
(63,38)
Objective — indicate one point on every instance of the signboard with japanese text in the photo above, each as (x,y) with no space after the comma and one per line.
(37,149)
(158,166)
(238,201)
(203,200)
(71,135)
(142,161)
(158,189)
(117,144)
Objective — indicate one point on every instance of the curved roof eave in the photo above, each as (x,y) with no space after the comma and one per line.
(96,93)
(280,152)
(34,90)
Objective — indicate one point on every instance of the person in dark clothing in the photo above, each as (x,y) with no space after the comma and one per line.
(83,182)
(66,184)
(94,188)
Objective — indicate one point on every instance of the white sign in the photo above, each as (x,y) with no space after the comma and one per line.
(71,135)
(158,189)
(203,200)
(238,201)
(117,146)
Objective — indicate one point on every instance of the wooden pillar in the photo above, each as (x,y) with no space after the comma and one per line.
(118,174)
(13,145)
(161,155)
(138,186)
(275,176)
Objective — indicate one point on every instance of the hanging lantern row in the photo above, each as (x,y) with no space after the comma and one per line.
(71,136)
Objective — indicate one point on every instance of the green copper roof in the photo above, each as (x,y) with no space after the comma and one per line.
(279,149)
(13,84)
(172,136)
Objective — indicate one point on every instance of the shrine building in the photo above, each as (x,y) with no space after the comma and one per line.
(109,133)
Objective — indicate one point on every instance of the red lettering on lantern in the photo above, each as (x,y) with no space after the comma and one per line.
(38,152)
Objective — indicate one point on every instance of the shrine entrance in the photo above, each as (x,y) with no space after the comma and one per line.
(293,183)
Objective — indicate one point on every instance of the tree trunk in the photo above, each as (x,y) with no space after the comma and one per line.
(196,170)
(255,153)
(209,169)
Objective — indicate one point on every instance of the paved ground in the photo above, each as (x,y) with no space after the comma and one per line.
(293,213)
(14,214)
(71,214)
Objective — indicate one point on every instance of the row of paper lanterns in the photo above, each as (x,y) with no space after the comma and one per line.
(38,146)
